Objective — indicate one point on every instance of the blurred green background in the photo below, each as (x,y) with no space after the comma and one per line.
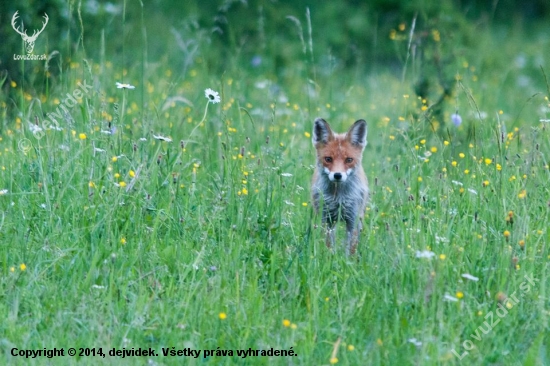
(264,33)
(424,43)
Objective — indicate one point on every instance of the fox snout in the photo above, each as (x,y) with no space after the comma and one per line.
(337,177)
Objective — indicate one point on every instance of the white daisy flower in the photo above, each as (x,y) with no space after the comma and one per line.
(124,86)
(34,128)
(162,138)
(415,341)
(425,254)
(470,277)
(212,96)
(261,84)
(450,298)
(3,192)
(441,239)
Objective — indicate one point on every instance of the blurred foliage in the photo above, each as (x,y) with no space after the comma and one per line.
(424,37)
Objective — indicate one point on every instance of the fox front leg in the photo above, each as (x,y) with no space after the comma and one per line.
(330,239)
(328,224)
(353,228)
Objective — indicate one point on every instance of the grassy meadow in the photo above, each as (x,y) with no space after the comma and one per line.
(154,218)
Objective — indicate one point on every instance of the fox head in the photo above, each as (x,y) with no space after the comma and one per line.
(339,155)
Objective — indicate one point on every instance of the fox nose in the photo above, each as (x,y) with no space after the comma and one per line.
(337,176)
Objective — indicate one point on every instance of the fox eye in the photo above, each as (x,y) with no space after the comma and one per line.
(349,160)
(328,159)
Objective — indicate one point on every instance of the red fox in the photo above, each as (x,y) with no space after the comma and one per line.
(339,182)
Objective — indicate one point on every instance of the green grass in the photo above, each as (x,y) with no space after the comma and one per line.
(108,241)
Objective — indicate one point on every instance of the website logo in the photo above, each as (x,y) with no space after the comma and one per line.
(28,40)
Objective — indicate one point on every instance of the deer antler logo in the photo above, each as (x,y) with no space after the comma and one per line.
(29,40)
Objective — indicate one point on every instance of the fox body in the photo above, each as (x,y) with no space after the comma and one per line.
(339,182)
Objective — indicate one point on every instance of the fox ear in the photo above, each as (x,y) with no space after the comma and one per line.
(321,132)
(357,134)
